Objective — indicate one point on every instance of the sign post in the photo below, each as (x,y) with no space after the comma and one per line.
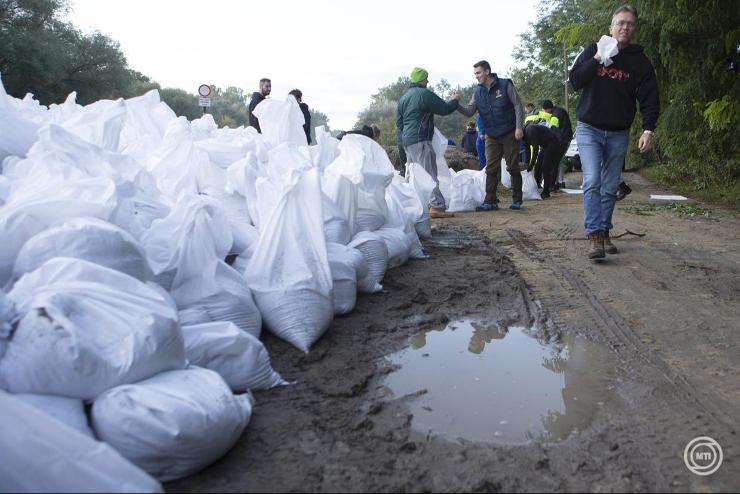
(204,91)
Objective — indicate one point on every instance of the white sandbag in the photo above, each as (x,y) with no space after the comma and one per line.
(173,424)
(86,328)
(530,191)
(232,302)
(439,144)
(377,173)
(281,122)
(240,358)
(18,132)
(505,175)
(204,127)
(423,184)
(4,187)
(60,156)
(399,246)
(99,123)
(344,276)
(38,201)
(336,226)
(341,182)
(8,317)
(466,193)
(178,165)
(326,149)
(187,245)
(289,271)
(375,252)
(145,125)
(89,239)
(45,455)
(401,218)
(241,178)
(235,207)
(69,411)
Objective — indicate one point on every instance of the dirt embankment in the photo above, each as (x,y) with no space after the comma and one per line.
(665,312)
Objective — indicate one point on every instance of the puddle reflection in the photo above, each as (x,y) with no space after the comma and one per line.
(486,383)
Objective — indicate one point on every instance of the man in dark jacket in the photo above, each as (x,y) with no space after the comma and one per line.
(468,139)
(298,95)
(415,124)
(606,110)
(257,97)
(500,109)
(560,123)
(541,144)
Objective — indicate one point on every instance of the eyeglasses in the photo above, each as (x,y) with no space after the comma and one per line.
(628,24)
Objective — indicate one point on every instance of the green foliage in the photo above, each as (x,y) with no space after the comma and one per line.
(229,107)
(182,103)
(43,55)
(682,210)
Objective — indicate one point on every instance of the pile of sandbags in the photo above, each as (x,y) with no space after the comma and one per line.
(121,320)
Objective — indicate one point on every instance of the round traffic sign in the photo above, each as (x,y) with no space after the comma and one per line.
(204,90)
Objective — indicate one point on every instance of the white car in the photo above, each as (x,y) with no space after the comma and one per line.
(572,159)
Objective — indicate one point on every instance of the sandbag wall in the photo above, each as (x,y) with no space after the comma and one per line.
(129,347)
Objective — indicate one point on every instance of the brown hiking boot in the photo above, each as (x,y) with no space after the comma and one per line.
(597,245)
(609,247)
(439,213)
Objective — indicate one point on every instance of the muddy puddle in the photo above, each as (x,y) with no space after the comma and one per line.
(480,382)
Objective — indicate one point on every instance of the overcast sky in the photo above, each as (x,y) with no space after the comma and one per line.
(338,53)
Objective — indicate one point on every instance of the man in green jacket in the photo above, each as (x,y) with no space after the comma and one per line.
(415,123)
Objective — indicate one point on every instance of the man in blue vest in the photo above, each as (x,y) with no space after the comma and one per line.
(497,102)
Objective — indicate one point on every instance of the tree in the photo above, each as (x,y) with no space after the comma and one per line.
(182,103)
(42,54)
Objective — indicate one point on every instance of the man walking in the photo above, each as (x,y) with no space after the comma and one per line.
(498,104)
(605,113)
(415,123)
(257,97)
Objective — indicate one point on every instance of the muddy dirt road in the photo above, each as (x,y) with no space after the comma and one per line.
(507,361)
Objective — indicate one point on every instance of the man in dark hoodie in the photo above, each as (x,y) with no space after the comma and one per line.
(605,113)
(298,95)
(469,138)
(257,97)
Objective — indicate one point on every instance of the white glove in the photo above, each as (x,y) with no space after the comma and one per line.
(607,48)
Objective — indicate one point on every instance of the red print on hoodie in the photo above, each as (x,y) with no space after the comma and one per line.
(614,73)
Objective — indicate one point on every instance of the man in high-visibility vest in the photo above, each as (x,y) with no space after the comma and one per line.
(560,123)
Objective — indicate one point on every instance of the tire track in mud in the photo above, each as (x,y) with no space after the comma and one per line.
(615,332)
(613,328)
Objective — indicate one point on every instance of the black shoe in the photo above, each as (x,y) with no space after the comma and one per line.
(623,191)
(545,195)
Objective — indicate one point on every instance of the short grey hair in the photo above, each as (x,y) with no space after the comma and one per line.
(625,8)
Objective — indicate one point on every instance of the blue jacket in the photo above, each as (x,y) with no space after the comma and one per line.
(495,108)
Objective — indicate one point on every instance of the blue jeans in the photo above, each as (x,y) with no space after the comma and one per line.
(602,154)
